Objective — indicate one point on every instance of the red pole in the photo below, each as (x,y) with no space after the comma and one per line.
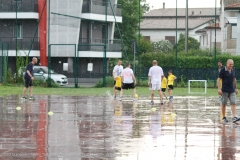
(43,33)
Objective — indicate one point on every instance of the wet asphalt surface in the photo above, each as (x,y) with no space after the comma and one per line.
(101,128)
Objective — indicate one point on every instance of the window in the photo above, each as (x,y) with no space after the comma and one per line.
(234,32)
(18,30)
(147,38)
(171,39)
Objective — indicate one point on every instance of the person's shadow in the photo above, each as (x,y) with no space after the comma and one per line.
(228,144)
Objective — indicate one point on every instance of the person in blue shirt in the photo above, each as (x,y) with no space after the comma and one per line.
(28,78)
(228,89)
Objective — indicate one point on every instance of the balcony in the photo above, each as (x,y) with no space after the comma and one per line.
(23,43)
(112,45)
(22,6)
(230,2)
(98,7)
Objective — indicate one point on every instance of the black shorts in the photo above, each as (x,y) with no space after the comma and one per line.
(128,86)
(114,83)
(163,89)
(118,88)
(170,87)
(28,82)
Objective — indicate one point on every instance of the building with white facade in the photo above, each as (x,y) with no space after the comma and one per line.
(60,31)
(160,24)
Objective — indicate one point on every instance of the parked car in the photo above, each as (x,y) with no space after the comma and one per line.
(41,73)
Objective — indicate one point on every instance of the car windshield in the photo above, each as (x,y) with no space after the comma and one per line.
(46,70)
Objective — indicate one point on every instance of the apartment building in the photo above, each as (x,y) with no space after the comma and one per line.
(59,32)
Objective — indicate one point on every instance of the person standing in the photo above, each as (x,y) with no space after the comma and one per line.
(171,79)
(228,90)
(129,81)
(164,86)
(117,71)
(28,78)
(155,76)
(220,66)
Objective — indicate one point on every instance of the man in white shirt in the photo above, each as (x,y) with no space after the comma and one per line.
(155,77)
(129,80)
(117,71)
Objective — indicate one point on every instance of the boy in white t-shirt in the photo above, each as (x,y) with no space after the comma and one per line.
(129,80)
(155,77)
(117,71)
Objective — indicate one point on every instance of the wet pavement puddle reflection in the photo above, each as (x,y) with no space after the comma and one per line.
(101,128)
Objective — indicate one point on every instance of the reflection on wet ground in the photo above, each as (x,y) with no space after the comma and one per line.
(100,128)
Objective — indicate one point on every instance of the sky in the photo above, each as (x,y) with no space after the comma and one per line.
(182,3)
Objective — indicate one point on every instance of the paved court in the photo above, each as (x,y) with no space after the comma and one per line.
(100,128)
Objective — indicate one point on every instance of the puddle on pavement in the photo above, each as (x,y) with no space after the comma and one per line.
(95,128)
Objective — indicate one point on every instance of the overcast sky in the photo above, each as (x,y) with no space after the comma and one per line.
(182,3)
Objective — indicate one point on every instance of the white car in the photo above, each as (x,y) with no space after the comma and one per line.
(41,73)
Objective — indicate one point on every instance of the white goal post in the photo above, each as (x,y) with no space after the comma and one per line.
(205,82)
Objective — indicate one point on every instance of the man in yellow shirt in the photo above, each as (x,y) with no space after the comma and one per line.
(164,86)
(171,79)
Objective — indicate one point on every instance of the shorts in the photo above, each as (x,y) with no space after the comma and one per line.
(28,82)
(128,86)
(231,96)
(155,87)
(118,88)
(114,83)
(170,87)
(163,89)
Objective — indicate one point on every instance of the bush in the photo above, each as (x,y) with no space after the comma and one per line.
(40,83)
(52,84)
(187,61)
(109,82)
(143,82)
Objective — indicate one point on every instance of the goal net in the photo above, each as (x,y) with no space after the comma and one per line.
(197,86)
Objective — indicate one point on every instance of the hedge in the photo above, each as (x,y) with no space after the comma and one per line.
(185,61)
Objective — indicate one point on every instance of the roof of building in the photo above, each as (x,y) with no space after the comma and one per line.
(213,25)
(233,6)
(171,12)
(170,23)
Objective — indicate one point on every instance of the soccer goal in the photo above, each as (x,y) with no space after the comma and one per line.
(199,86)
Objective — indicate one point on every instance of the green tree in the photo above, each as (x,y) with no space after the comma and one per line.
(192,43)
(146,46)
(145,6)
(129,25)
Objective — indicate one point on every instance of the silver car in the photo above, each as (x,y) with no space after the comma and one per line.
(41,73)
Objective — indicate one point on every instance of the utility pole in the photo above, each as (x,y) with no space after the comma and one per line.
(186,28)
(134,53)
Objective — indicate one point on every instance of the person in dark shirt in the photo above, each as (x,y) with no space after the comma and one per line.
(28,77)
(228,89)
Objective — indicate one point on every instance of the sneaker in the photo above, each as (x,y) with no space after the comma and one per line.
(120,98)
(31,98)
(161,102)
(224,120)
(23,97)
(152,103)
(134,99)
(235,119)
(115,96)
